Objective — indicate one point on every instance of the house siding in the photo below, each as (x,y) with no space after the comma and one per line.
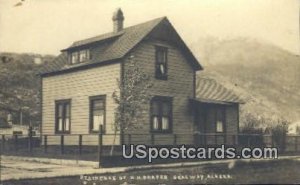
(179,86)
(79,86)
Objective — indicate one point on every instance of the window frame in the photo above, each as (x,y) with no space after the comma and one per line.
(71,57)
(91,99)
(78,52)
(87,55)
(157,63)
(223,114)
(161,100)
(64,102)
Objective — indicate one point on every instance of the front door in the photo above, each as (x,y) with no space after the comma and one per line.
(200,124)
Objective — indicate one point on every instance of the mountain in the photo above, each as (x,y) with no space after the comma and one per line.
(265,76)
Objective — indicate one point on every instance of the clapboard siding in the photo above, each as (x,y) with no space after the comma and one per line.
(79,86)
(179,85)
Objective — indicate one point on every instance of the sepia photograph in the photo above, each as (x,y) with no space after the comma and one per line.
(149,92)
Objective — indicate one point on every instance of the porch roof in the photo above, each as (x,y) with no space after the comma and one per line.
(208,101)
(210,91)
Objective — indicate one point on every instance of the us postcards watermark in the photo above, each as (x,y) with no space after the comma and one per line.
(183,152)
(149,92)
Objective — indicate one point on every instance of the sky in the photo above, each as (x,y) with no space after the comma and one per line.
(47,26)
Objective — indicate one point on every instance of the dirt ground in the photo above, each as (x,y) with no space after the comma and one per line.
(284,171)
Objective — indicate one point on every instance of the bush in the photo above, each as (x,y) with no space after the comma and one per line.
(252,124)
(252,130)
(279,132)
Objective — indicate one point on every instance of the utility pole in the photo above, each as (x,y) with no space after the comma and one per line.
(21,117)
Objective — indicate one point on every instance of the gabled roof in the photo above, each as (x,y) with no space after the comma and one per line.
(94,39)
(209,91)
(115,46)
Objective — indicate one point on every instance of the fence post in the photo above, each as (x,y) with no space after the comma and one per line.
(272,142)
(129,139)
(30,138)
(80,144)
(233,140)
(16,142)
(152,139)
(248,140)
(296,143)
(45,144)
(216,139)
(100,145)
(196,138)
(3,142)
(175,140)
(62,147)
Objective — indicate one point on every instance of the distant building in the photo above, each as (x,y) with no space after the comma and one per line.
(294,128)
(8,128)
(38,60)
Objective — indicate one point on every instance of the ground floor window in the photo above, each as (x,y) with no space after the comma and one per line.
(161,114)
(62,116)
(97,112)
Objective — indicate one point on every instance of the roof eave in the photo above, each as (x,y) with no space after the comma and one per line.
(210,101)
(87,66)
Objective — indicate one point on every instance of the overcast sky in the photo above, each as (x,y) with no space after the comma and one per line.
(47,26)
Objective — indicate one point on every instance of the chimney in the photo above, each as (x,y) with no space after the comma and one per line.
(118,19)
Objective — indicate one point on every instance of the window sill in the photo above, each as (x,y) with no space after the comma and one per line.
(160,77)
(161,132)
(61,133)
(95,132)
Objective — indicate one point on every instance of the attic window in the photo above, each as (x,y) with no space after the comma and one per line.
(80,56)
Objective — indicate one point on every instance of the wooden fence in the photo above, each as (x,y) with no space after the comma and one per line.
(39,145)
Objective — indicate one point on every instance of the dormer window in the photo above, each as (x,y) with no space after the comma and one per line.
(74,58)
(80,56)
(161,67)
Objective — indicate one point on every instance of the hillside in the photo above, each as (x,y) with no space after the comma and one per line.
(267,77)
(20,85)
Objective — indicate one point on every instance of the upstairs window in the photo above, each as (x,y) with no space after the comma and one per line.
(161,64)
(220,120)
(62,118)
(74,58)
(161,114)
(97,113)
(80,56)
(84,55)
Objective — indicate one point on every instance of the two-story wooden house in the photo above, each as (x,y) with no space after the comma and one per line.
(77,88)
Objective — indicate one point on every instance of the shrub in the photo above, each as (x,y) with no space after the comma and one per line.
(252,124)
(252,130)
(279,132)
